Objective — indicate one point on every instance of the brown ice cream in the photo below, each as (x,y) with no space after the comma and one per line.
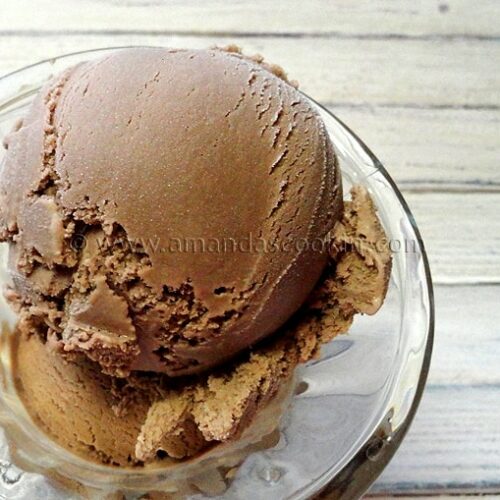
(146,416)
(162,150)
(137,338)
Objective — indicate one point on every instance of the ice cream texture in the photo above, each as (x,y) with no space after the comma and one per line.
(138,419)
(127,351)
(167,148)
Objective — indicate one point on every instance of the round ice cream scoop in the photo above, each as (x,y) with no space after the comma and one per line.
(167,208)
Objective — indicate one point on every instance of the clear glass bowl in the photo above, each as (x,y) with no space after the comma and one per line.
(355,403)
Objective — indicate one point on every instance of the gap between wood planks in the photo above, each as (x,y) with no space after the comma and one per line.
(247,34)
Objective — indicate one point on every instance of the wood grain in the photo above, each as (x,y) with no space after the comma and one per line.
(467,347)
(462,235)
(453,444)
(317,17)
(429,149)
(433,73)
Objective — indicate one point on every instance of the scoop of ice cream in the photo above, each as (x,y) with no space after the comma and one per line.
(165,207)
(145,417)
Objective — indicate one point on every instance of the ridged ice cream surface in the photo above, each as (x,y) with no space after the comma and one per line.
(161,206)
(147,417)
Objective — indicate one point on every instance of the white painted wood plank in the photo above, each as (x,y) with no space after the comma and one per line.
(400,17)
(453,444)
(429,149)
(461,232)
(456,73)
(467,342)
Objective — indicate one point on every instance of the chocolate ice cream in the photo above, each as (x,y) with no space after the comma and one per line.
(141,418)
(168,151)
(178,244)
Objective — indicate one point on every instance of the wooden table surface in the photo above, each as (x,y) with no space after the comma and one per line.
(419,81)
